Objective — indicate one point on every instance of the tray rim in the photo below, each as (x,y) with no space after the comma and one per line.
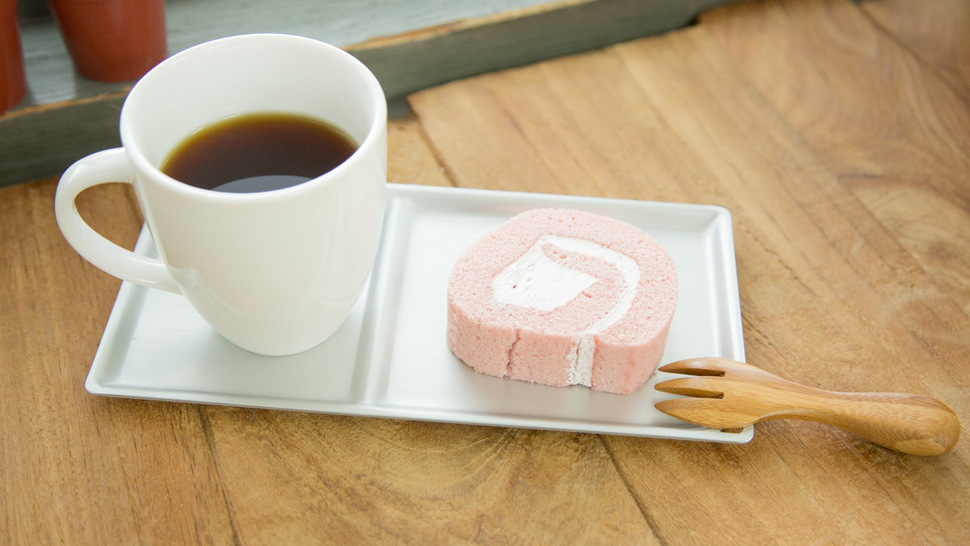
(128,293)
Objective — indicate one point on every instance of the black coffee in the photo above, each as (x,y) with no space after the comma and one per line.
(258,152)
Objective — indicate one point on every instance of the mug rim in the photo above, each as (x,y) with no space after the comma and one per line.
(142,164)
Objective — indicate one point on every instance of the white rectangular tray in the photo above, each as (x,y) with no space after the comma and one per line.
(390,358)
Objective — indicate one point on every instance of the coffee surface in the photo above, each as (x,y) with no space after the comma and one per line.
(258,152)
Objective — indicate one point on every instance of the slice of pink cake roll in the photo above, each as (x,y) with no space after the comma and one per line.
(563,297)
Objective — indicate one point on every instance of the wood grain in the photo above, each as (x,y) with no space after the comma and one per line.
(409,46)
(410,160)
(902,151)
(830,297)
(73,463)
(371,480)
(937,32)
(410,61)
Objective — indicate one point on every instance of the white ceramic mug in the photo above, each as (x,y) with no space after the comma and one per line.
(275,272)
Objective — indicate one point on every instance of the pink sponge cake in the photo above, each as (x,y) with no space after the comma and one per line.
(563,297)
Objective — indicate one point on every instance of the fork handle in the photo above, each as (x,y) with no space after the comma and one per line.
(910,423)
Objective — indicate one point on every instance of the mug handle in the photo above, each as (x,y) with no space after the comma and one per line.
(102,168)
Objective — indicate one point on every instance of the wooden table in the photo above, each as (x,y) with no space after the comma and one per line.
(838,135)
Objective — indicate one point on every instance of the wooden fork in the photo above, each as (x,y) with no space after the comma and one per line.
(728,394)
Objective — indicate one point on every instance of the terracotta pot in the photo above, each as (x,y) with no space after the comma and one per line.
(112,40)
(13,81)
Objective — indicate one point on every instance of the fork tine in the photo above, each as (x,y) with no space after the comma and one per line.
(698,387)
(684,408)
(700,412)
(694,366)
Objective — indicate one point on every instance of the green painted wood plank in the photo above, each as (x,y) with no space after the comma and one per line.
(46,136)
(409,63)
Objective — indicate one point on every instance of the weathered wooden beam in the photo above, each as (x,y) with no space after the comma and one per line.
(42,140)
(416,60)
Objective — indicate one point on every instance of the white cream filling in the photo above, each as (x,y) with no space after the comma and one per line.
(537,282)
